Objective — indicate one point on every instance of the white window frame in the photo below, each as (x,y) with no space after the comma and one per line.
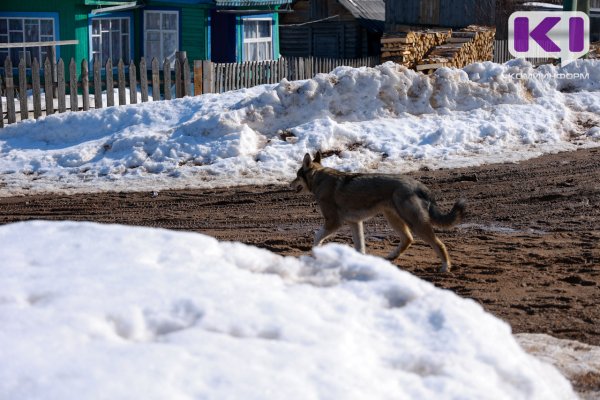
(160,31)
(5,38)
(257,40)
(126,54)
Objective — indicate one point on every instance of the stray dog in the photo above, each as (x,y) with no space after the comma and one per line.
(353,198)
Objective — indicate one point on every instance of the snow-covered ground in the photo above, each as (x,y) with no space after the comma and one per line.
(386,118)
(94,311)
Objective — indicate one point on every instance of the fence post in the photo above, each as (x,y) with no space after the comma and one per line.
(23,90)
(35,86)
(85,85)
(132,83)
(10,91)
(178,80)
(187,80)
(73,86)
(207,76)
(49,89)
(121,83)
(110,85)
(167,78)
(155,80)
(60,80)
(197,77)
(144,80)
(180,56)
(97,84)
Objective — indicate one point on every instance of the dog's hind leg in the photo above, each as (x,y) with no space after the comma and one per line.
(358,236)
(425,232)
(402,230)
(329,229)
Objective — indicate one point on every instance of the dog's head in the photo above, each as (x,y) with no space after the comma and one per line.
(301,183)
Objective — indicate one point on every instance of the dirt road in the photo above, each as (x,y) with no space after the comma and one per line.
(528,252)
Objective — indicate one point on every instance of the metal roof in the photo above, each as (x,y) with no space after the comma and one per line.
(250,3)
(370,13)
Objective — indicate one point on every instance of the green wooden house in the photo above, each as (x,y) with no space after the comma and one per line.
(221,30)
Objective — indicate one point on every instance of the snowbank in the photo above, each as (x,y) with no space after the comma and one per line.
(387,118)
(105,311)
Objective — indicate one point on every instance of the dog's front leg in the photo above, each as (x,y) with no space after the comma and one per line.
(358,236)
(330,227)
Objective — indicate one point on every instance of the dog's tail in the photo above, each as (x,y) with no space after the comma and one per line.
(452,218)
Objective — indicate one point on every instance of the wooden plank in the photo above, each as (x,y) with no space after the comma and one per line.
(110,84)
(97,84)
(48,87)
(36,88)
(207,78)
(85,85)
(144,80)
(167,78)
(73,98)
(10,91)
(155,80)
(187,79)
(60,79)
(23,90)
(197,77)
(37,44)
(132,83)
(121,83)
(178,80)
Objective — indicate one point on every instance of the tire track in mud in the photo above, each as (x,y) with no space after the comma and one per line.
(528,251)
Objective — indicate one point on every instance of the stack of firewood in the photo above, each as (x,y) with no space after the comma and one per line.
(407,48)
(471,44)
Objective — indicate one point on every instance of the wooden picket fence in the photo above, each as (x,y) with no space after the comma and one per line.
(51,87)
(232,76)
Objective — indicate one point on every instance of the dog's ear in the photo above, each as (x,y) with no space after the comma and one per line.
(307,161)
(318,157)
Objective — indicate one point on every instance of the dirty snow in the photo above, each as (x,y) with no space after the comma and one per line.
(386,118)
(93,311)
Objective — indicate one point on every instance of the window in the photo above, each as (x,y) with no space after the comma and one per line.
(21,30)
(258,40)
(110,39)
(161,35)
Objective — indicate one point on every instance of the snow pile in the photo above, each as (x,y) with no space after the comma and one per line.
(387,118)
(113,312)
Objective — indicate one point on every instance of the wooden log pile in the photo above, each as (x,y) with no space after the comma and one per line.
(471,44)
(407,48)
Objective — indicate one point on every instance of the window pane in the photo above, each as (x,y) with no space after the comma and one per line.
(4,29)
(14,56)
(95,27)
(264,29)
(32,31)
(153,51)
(3,39)
(115,38)
(106,48)
(253,51)
(169,21)
(152,20)
(169,45)
(153,37)
(125,25)
(105,23)
(125,47)
(47,27)
(96,44)
(16,37)
(250,29)
(15,24)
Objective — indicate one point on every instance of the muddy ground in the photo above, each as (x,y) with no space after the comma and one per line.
(528,251)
